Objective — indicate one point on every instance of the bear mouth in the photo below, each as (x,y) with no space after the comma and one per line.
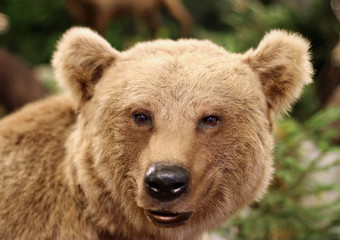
(168,219)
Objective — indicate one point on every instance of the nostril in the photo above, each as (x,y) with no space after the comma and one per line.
(153,186)
(166,182)
(177,187)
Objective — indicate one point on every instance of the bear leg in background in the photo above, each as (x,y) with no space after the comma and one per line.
(98,14)
(180,13)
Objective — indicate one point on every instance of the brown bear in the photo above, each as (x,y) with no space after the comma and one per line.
(98,14)
(18,85)
(163,141)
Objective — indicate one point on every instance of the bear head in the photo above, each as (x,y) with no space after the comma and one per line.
(175,134)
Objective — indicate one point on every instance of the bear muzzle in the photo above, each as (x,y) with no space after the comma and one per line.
(164,183)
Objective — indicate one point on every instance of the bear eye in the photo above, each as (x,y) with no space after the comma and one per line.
(210,121)
(142,119)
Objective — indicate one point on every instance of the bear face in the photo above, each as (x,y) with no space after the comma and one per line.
(170,138)
(177,101)
(183,116)
(177,130)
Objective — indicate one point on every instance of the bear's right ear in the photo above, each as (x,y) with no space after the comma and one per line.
(282,62)
(80,60)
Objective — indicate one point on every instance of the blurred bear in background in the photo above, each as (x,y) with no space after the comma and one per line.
(97,14)
(18,85)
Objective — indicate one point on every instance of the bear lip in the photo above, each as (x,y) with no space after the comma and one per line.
(168,219)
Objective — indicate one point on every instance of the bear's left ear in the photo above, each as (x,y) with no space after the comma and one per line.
(80,60)
(282,62)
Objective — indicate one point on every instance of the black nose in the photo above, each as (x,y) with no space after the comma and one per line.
(166,182)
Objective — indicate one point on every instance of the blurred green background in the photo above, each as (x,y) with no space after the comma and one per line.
(298,205)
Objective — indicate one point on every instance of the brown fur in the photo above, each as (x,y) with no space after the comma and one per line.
(73,167)
(97,14)
(18,85)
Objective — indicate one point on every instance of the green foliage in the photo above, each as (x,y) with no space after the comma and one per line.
(299,205)
(35,26)
(319,127)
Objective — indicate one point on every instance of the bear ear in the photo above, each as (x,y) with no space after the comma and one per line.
(282,62)
(80,60)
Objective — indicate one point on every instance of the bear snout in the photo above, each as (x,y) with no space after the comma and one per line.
(166,182)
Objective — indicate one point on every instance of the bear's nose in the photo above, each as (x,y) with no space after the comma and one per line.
(166,182)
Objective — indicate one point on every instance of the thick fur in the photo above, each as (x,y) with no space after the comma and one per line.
(283,67)
(72,167)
